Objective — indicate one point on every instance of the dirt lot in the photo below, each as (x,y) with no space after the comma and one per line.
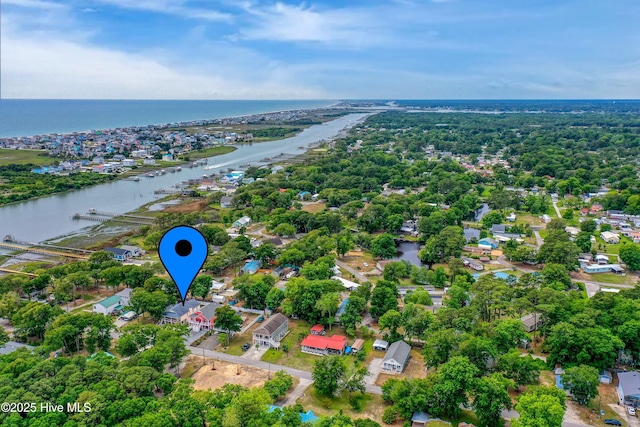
(314,207)
(414,369)
(227,373)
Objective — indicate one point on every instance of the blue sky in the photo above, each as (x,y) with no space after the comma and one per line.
(402,49)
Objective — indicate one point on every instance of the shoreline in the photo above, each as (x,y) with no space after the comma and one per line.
(159,125)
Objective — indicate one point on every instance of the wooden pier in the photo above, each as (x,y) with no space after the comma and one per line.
(39,250)
(147,221)
(6,270)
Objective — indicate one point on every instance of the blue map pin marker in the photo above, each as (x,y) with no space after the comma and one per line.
(183,251)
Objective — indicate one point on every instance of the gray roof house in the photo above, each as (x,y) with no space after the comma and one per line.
(531,321)
(381,345)
(180,313)
(272,331)
(629,388)
(225,201)
(396,358)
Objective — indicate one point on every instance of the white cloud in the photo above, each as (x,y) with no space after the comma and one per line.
(169,7)
(53,65)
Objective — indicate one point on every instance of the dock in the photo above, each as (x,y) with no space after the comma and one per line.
(6,270)
(40,250)
(100,216)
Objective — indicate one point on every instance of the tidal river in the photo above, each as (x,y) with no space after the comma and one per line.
(49,217)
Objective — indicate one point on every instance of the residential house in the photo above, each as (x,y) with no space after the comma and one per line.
(635,236)
(531,321)
(602,268)
(348,284)
(272,331)
(472,263)
(318,330)
(381,345)
(629,388)
(108,305)
(204,318)
(129,162)
(573,231)
(11,346)
(546,218)
(119,254)
(323,346)
(225,201)
(180,313)
(487,243)
(396,358)
(304,195)
(251,267)
(595,208)
(125,296)
(217,287)
(610,237)
(134,250)
(602,259)
(242,222)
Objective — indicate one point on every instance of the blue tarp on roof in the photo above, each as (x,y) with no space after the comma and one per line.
(559,382)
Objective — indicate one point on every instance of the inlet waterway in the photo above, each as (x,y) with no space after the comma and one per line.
(49,217)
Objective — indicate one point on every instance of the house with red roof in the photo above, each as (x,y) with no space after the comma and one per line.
(318,330)
(595,208)
(323,346)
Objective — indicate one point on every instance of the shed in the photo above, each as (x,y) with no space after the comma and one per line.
(381,345)
(419,419)
(357,345)
(606,377)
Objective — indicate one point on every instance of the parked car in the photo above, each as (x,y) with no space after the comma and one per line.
(631,411)
(613,422)
(260,319)
(246,346)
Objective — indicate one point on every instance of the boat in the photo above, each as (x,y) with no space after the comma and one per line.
(301,148)
(135,178)
(178,168)
(150,175)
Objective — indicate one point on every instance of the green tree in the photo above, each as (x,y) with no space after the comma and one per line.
(228,320)
(383,246)
(274,298)
(354,380)
(33,319)
(558,249)
(383,298)
(490,398)
(588,226)
(285,230)
(582,381)
(419,296)
(556,273)
(522,370)
(439,346)
(540,407)
(327,375)
(328,305)
(454,380)
(630,255)
(508,334)
(200,286)
(391,320)
(583,241)
(493,217)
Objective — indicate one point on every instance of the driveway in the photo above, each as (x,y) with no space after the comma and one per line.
(297,393)
(361,277)
(374,370)
(621,410)
(254,353)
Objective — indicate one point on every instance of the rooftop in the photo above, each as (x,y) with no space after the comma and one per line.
(272,324)
(398,351)
(108,302)
(336,342)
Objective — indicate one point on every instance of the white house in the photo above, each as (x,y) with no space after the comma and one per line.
(125,296)
(272,331)
(242,222)
(107,305)
(609,237)
(396,358)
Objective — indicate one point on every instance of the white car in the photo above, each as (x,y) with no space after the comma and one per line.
(631,411)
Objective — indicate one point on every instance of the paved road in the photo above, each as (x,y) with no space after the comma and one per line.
(264,365)
(539,240)
(361,277)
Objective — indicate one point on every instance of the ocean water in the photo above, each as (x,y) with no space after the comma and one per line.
(27,117)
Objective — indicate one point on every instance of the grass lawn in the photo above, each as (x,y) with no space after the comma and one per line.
(609,248)
(371,406)
(527,218)
(295,358)
(210,152)
(613,278)
(552,212)
(15,157)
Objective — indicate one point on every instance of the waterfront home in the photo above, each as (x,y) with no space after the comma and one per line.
(119,254)
(134,250)
(323,346)
(272,331)
(108,305)
(396,358)
(179,313)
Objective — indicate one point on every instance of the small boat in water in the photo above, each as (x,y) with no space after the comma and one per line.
(150,175)
(178,168)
